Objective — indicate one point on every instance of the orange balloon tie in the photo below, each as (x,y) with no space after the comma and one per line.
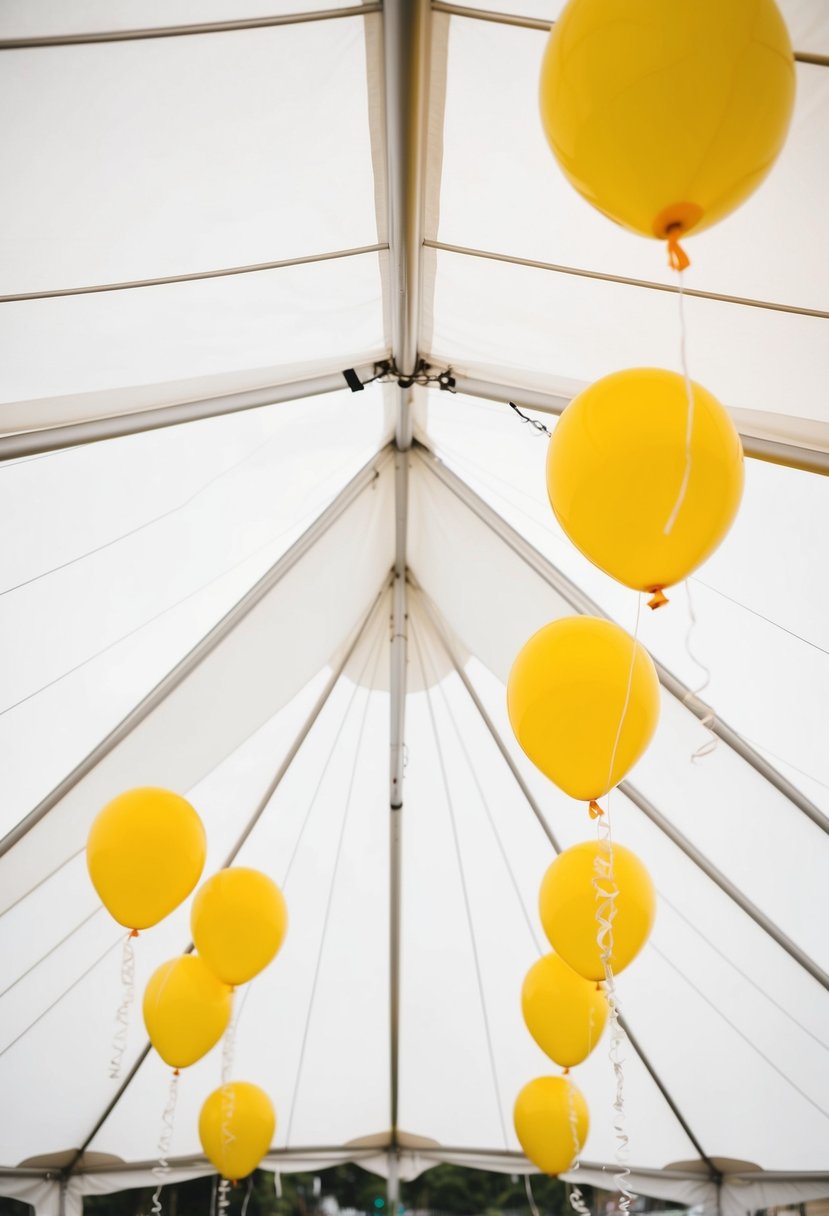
(658,598)
(176,1072)
(594,809)
(677,257)
(133,933)
(566,1072)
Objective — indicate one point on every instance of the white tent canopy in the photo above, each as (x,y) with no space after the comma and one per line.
(230,574)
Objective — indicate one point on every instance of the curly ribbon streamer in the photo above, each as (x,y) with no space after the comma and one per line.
(607,892)
(248,1194)
(689,394)
(703,711)
(122,1017)
(574,1195)
(228,1104)
(161,1172)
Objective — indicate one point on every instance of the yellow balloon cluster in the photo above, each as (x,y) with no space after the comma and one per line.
(145,853)
(666,118)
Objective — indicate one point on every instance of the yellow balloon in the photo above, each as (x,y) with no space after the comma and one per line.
(615,468)
(565,697)
(145,853)
(666,118)
(238,919)
(236,1127)
(568,905)
(564,1012)
(543,1124)
(186,1010)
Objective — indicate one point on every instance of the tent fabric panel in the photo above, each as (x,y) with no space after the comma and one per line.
(145,542)
(493,86)
(211,166)
(41,18)
(751,631)
(544,320)
(744,811)
(185,330)
(252,671)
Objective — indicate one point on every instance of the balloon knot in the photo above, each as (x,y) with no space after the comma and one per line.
(677,257)
(595,810)
(566,1072)
(134,933)
(176,1072)
(658,598)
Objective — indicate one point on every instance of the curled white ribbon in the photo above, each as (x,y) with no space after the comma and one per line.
(122,1017)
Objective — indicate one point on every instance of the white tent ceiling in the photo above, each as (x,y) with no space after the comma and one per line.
(227,574)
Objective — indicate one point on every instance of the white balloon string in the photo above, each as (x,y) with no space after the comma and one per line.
(703,711)
(530,1197)
(229,1041)
(574,1195)
(248,1194)
(161,1172)
(606,893)
(122,1017)
(689,426)
(224,1197)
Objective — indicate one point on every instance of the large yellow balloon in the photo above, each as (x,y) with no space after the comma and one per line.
(544,1123)
(236,1127)
(568,905)
(238,921)
(186,1010)
(564,1012)
(663,116)
(145,853)
(615,467)
(565,697)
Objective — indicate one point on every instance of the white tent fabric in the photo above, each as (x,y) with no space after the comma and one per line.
(228,574)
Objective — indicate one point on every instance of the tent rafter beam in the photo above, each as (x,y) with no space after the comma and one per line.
(538,23)
(179,31)
(116,426)
(773,451)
